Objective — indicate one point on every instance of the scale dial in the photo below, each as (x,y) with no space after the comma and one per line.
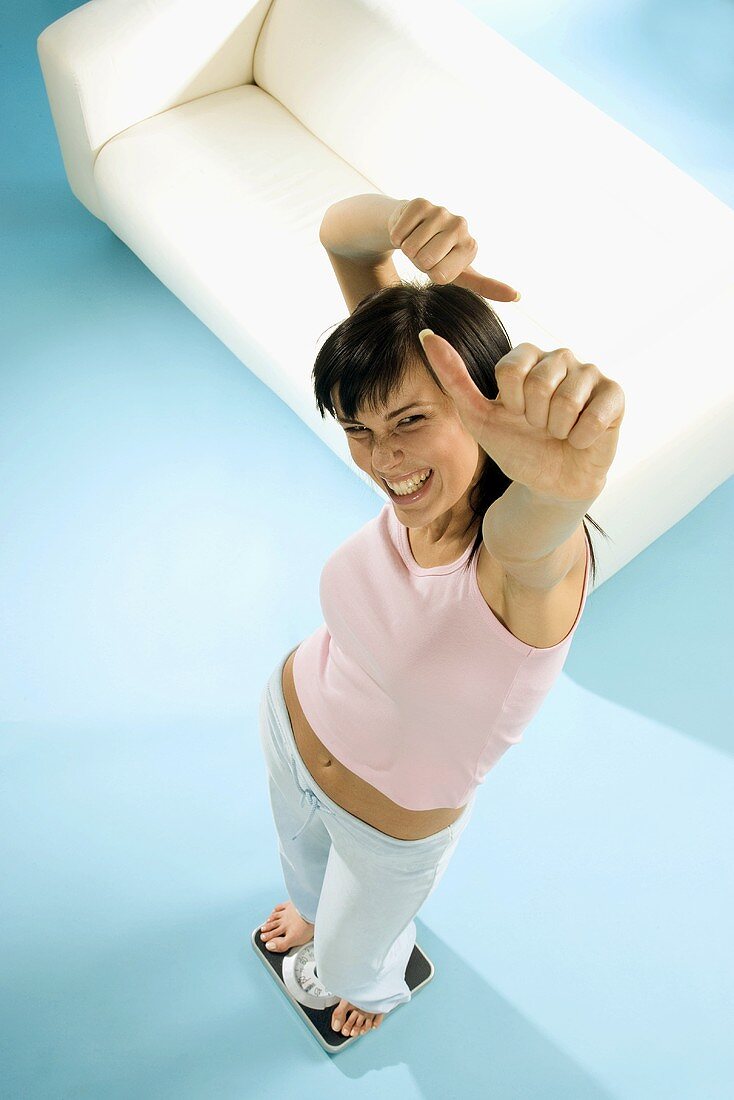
(302,981)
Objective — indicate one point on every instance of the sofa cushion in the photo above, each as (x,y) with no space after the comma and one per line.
(222,198)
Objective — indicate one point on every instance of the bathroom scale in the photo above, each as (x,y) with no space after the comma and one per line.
(294,972)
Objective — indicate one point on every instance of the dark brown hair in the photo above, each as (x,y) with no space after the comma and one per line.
(367,355)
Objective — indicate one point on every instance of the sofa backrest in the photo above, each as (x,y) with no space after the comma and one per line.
(418,89)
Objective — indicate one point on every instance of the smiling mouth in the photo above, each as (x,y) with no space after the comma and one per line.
(409,498)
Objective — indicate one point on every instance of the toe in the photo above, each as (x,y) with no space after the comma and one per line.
(339,1016)
(270,931)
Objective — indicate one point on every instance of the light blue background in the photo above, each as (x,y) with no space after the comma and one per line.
(165,518)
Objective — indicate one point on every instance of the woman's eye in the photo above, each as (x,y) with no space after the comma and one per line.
(407,419)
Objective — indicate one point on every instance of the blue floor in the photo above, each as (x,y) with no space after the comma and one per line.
(151,575)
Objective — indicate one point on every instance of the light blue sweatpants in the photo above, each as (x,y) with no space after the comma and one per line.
(360,887)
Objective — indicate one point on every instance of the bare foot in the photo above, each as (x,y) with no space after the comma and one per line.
(354,1021)
(286,928)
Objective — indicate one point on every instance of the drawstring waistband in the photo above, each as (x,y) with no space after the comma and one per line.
(315,805)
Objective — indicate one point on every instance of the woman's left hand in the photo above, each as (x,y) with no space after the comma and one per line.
(554,425)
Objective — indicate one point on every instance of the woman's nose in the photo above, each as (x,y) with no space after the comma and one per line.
(379,449)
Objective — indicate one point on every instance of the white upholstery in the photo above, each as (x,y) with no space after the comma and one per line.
(211,138)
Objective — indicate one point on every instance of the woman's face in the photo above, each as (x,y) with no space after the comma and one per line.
(418,431)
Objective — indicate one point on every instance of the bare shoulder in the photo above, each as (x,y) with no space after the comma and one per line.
(539,617)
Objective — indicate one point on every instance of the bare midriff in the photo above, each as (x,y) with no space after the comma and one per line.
(352,793)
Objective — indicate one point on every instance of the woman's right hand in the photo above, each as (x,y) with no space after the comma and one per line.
(439,244)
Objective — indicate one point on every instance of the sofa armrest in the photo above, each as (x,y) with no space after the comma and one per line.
(110,64)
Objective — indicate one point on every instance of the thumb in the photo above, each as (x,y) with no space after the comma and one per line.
(473,407)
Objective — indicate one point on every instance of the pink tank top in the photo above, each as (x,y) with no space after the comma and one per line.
(411,681)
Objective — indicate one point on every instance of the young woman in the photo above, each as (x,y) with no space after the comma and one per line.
(447,617)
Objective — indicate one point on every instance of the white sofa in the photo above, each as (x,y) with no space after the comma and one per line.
(211,138)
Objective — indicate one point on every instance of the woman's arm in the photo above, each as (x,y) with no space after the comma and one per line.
(358,233)
(357,228)
(358,278)
(354,234)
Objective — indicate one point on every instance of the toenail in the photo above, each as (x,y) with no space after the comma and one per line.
(270,945)
(336,1025)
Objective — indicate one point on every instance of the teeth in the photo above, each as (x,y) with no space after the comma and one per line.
(402,488)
